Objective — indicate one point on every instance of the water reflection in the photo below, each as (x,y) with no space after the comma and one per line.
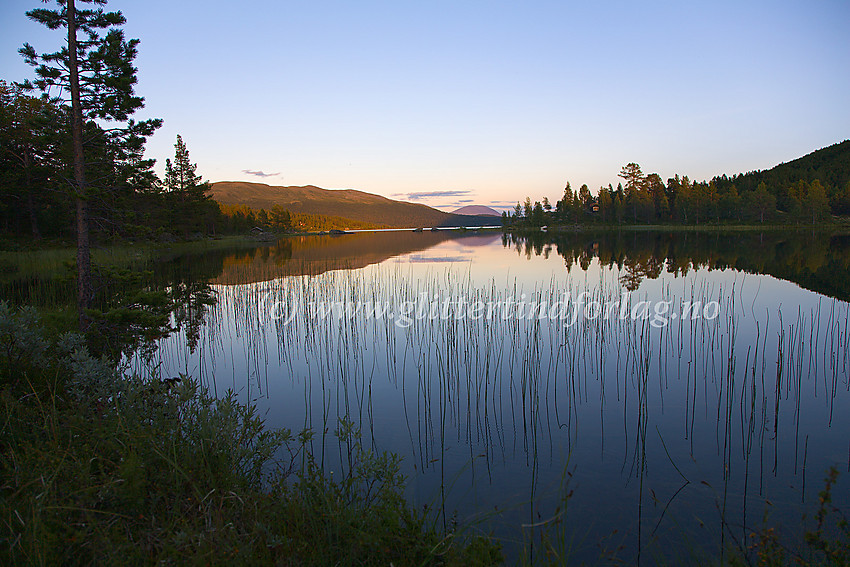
(314,255)
(654,439)
(816,261)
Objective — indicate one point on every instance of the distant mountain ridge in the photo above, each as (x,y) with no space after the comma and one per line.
(477,210)
(347,203)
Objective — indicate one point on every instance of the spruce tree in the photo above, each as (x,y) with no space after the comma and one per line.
(180,176)
(193,210)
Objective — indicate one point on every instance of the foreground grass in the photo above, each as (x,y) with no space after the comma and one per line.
(102,469)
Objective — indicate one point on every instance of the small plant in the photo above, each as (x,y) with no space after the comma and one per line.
(829,544)
(21,341)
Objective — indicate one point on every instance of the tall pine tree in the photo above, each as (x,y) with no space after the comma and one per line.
(94,70)
(635,183)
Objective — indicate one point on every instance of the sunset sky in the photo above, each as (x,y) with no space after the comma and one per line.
(453,103)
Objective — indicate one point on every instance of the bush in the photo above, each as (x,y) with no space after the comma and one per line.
(105,469)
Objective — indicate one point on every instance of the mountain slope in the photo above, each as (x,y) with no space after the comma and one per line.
(829,165)
(348,203)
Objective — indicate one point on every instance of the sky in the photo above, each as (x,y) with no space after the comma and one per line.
(464,102)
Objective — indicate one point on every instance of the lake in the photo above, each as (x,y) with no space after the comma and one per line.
(634,395)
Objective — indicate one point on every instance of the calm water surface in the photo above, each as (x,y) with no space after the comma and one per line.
(681,384)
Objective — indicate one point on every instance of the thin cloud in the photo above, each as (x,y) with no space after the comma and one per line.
(431,194)
(259,173)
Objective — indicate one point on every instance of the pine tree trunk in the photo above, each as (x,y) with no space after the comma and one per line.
(83,251)
(36,234)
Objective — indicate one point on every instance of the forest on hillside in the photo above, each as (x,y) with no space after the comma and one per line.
(809,190)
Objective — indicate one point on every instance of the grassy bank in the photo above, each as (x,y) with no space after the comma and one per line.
(57,257)
(104,469)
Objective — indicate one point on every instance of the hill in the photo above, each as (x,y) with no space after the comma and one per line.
(789,181)
(347,203)
(829,165)
(477,210)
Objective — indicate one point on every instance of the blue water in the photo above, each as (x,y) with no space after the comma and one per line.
(635,434)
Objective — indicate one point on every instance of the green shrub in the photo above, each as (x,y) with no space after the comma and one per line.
(106,469)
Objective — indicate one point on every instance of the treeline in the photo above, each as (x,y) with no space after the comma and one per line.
(241,218)
(125,197)
(752,197)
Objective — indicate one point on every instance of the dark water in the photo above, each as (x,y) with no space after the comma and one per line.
(634,395)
